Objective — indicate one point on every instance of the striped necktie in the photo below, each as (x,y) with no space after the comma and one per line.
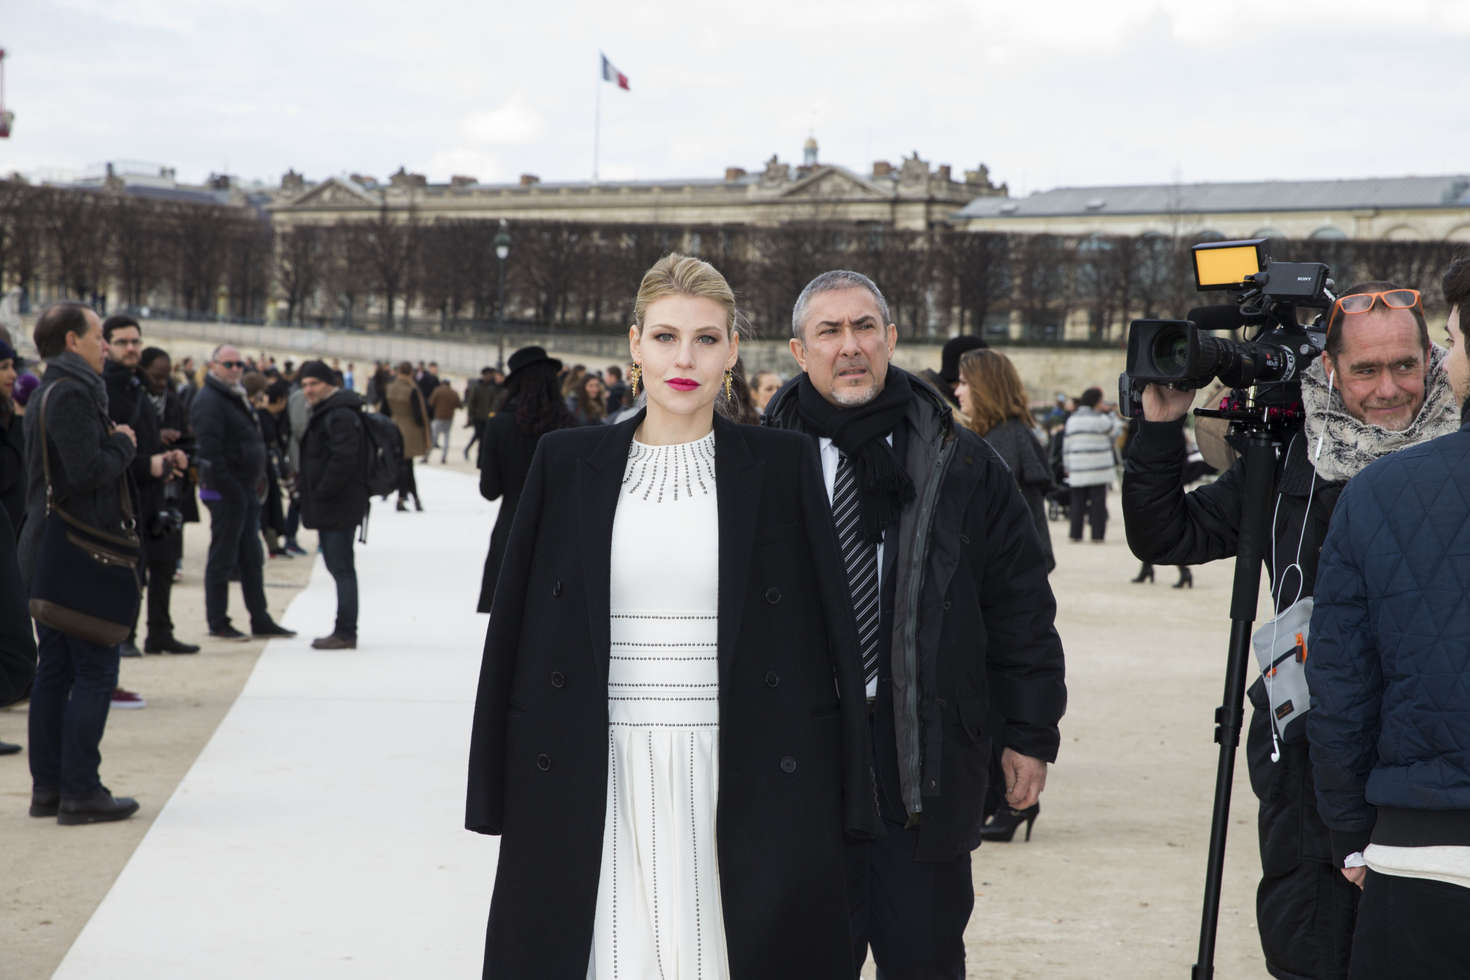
(862,564)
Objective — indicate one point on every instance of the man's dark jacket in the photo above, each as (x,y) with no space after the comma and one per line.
(127,404)
(334,495)
(1389,668)
(1305,909)
(975,654)
(230,448)
(88,461)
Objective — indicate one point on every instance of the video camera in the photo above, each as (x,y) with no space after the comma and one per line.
(1179,353)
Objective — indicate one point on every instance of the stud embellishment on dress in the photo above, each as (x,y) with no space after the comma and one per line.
(679,472)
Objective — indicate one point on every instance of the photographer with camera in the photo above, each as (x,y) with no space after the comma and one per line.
(155,468)
(1379,386)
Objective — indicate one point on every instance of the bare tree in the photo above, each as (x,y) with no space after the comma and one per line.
(391,244)
(975,270)
(299,261)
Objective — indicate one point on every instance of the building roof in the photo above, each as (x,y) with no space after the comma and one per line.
(1449,191)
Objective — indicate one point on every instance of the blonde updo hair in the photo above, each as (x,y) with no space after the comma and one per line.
(684,275)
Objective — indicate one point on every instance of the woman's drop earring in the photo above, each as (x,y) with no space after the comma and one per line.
(728,378)
(635,375)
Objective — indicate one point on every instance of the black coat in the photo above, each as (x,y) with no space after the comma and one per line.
(793,758)
(505,458)
(13,466)
(127,404)
(334,495)
(230,448)
(973,626)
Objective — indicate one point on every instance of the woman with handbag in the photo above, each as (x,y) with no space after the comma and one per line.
(672,645)
(79,552)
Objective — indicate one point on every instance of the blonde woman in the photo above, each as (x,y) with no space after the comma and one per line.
(671,649)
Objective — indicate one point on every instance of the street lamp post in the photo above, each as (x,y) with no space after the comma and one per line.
(502,250)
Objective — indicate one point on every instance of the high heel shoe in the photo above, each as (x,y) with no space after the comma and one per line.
(1145,574)
(1003,823)
(1186,579)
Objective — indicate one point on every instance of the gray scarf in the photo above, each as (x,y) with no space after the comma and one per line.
(1350,444)
(76,367)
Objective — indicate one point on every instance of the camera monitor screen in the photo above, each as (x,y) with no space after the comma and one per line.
(1224,265)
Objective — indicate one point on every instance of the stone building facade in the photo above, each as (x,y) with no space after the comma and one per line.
(1373,208)
(910,196)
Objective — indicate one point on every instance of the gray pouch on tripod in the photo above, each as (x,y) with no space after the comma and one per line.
(1281,652)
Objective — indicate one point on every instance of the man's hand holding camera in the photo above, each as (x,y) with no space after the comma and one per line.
(1162,403)
(174,462)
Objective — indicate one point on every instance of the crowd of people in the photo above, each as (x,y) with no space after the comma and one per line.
(793,637)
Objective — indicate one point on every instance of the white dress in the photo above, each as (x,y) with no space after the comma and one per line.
(658,896)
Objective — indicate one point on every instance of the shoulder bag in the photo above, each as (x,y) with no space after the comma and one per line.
(86,582)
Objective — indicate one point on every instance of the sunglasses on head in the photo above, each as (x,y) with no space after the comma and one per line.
(231,364)
(1393,299)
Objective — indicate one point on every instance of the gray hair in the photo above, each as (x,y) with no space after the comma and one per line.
(829,282)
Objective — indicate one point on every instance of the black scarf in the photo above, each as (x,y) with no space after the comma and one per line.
(860,433)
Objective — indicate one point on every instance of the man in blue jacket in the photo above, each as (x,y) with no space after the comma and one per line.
(1389,671)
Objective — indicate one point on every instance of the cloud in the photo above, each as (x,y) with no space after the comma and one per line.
(513,124)
(483,165)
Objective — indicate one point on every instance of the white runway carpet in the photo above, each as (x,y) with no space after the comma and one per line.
(320,832)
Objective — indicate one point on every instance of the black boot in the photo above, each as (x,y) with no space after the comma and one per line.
(1145,574)
(1186,579)
(1003,823)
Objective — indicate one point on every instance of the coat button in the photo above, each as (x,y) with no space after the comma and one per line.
(788,764)
(773,679)
(556,590)
(558,679)
(946,605)
(543,762)
(773,595)
(964,539)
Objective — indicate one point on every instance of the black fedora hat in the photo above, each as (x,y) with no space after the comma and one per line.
(949,359)
(527,356)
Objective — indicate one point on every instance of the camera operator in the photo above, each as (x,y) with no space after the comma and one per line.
(1379,386)
(154,467)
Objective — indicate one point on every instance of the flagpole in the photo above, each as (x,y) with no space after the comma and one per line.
(597,123)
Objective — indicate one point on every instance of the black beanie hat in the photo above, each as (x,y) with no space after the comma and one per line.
(320,371)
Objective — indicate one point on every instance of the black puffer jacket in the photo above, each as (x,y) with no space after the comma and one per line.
(127,404)
(334,496)
(1305,909)
(230,448)
(975,654)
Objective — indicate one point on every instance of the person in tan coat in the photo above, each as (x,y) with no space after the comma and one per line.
(444,402)
(407,408)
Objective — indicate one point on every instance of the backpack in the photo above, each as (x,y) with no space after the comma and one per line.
(384,444)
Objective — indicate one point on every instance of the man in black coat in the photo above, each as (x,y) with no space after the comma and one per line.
(89,459)
(949,585)
(334,495)
(232,459)
(153,467)
(17,639)
(1379,386)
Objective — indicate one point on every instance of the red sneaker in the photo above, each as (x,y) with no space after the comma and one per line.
(122,698)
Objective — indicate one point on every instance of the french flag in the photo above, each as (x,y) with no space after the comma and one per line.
(611,74)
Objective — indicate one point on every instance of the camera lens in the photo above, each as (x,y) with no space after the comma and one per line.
(1171,351)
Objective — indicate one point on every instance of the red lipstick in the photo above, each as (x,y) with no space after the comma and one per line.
(682,384)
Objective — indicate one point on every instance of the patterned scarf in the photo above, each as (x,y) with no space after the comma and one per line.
(1350,444)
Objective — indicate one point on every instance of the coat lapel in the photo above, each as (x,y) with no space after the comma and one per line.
(599,479)
(738,481)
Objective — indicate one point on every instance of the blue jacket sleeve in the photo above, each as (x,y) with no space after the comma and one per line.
(1345,676)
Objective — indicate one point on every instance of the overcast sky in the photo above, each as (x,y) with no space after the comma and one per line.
(1046,93)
